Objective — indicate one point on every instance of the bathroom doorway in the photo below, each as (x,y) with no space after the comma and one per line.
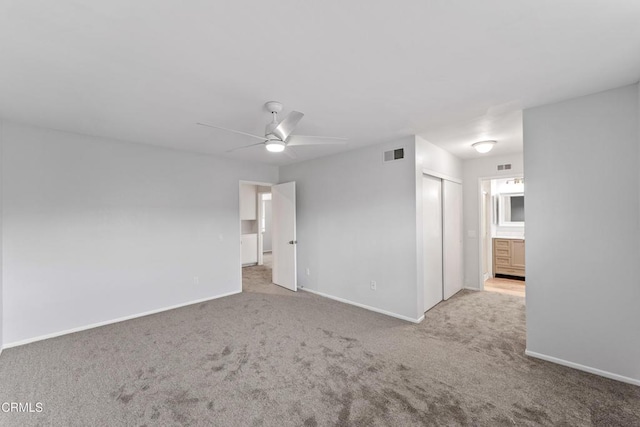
(502,235)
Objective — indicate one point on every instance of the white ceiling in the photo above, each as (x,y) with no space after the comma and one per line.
(453,71)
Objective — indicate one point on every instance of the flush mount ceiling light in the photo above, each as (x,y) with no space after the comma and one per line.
(484,146)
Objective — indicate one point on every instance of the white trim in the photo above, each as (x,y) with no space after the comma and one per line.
(109,322)
(583,368)
(366,307)
(260,183)
(482,248)
(441,176)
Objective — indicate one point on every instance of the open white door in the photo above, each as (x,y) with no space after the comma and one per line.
(283,229)
(452,237)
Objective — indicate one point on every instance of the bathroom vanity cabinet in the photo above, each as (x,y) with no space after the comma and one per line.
(508,257)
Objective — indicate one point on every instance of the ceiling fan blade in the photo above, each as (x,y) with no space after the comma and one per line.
(315,140)
(290,153)
(244,146)
(287,125)
(234,131)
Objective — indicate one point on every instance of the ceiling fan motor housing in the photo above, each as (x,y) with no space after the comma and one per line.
(273,106)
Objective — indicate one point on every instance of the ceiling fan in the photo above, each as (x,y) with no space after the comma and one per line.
(277,135)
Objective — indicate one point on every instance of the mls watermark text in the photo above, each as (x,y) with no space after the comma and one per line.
(29,407)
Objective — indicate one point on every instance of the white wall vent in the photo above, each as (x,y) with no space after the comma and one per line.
(505,167)
(391,155)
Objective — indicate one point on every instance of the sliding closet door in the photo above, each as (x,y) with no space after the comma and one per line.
(452,237)
(432,234)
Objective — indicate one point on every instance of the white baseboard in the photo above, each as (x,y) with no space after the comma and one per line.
(583,368)
(109,322)
(366,307)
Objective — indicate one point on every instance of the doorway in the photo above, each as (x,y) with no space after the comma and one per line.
(265,238)
(502,235)
(268,236)
(442,237)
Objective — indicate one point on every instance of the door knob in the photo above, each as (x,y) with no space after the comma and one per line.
(293,242)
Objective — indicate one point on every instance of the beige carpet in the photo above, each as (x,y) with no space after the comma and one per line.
(277,358)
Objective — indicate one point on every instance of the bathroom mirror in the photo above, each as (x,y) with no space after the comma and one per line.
(511,209)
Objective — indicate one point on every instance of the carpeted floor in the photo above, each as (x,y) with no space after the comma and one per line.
(277,358)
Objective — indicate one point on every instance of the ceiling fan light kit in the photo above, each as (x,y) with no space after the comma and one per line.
(277,135)
(274,145)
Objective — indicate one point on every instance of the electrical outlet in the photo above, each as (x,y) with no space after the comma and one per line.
(373,285)
(308,271)
(196,280)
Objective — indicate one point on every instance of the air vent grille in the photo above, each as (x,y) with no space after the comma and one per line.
(391,155)
(504,167)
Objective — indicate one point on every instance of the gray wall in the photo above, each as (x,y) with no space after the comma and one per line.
(356,223)
(360,219)
(582,158)
(96,230)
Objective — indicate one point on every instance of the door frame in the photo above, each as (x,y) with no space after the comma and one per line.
(480,218)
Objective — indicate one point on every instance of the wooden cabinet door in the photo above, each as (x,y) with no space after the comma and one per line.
(517,253)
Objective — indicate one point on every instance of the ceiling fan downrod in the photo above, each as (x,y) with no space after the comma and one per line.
(274,108)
